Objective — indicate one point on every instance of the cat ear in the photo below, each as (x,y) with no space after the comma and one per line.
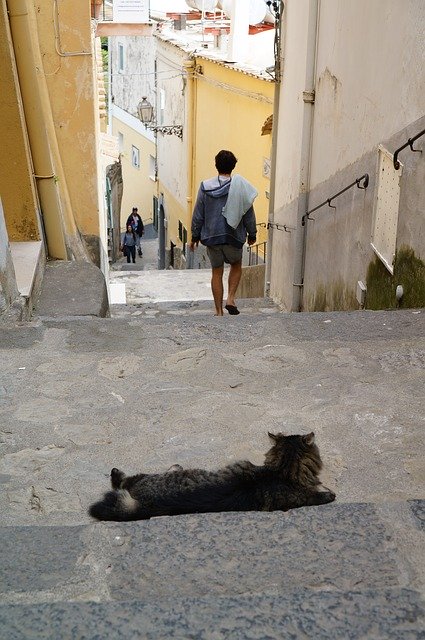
(309,438)
(272,436)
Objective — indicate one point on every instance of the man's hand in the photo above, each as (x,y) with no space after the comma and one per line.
(251,240)
(193,245)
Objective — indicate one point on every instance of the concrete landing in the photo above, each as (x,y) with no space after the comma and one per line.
(72,289)
(144,287)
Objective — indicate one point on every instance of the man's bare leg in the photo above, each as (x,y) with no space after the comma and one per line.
(217,289)
(233,282)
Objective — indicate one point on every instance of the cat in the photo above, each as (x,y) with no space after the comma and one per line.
(288,479)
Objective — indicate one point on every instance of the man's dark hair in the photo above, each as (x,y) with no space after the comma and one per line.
(225,161)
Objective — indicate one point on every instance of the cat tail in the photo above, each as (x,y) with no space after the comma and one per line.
(116,505)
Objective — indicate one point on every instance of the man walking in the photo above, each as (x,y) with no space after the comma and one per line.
(222,219)
(137,225)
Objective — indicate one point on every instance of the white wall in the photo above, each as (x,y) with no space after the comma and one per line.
(8,288)
(172,151)
(370,79)
(289,161)
(369,85)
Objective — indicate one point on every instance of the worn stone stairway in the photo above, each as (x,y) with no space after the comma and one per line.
(340,571)
(156,385)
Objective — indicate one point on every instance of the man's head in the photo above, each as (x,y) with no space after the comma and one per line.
(135,210)
(225,162)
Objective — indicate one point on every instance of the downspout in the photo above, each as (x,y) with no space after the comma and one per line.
(306,150)
(276,103)
(189,67)
(62,237)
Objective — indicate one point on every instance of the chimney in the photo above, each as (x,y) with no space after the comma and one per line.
(180,23)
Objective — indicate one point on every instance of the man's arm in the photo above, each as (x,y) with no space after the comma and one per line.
(198,217)
(250,224)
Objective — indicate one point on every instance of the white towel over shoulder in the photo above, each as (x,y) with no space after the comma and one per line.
(241,196)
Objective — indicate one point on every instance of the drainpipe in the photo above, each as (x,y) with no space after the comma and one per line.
(189,67)
(61,233)
(276,103)
(306,149)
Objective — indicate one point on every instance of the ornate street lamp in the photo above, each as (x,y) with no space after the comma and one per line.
(146,115)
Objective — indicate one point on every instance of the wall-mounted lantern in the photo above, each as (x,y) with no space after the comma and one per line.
(145,113)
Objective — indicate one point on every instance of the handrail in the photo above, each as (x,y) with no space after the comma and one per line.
(409,143)
(275,225)
(364,178)
(253,250)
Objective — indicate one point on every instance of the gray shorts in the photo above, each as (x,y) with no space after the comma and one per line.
(221,253)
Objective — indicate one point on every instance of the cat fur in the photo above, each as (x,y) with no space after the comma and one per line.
(288,479)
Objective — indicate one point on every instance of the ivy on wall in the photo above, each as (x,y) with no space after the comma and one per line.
(409,272)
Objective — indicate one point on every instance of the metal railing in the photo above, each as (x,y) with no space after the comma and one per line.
(257,254)
(361,183)
(409,143)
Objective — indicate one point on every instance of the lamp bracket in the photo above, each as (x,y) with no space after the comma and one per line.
(167,130)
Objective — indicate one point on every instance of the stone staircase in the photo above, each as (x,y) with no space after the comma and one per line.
(340,571)
(165,382)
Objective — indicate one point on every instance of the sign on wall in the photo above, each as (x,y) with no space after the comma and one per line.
(384,231)
(134,11)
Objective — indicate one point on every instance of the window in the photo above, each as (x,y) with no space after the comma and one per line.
(184,239)
(135,157)
(152,168)
(121,57)
(161,106)
(155,213)
(183,235)
(120,142)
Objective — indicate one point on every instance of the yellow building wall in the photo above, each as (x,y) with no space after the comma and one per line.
(16,181)
(230,110)
(66,44)
(139,185)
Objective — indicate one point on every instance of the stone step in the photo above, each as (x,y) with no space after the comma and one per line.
(247,306)
(345,571)
(384,614)
(337,547)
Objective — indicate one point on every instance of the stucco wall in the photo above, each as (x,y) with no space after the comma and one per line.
(369,90)
(137,79)
(72,85)
(16,182)
(172,151)
(338,247)
(289,161)
(369,78)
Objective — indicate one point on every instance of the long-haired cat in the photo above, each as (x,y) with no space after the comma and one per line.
(289,478)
